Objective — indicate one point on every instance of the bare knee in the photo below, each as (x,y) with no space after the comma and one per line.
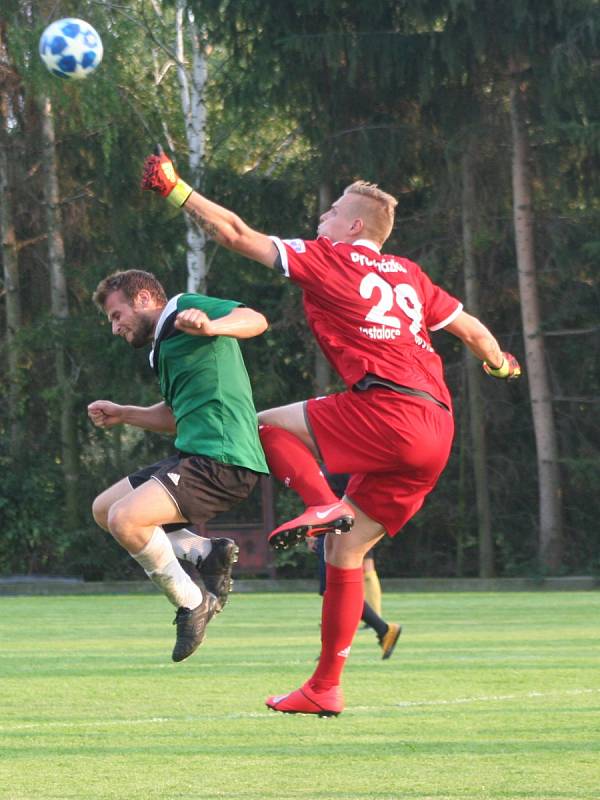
(291,419)
(100,509)
(343,551)
(103,503)
(271,416)
(119,522)
(347,550)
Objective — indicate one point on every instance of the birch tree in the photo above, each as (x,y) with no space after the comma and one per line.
(192,84)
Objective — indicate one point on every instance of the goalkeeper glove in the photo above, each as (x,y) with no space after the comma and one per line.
(160,177)
(509,369)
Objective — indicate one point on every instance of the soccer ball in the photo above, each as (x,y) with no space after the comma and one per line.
(71,48)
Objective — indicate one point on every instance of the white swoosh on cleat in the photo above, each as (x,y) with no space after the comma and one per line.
(323,514)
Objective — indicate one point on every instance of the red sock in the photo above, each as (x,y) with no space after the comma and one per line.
(293,464)
(342,608)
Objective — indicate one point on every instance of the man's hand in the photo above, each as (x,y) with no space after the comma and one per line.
(105,414)
(159,176)
(194,321)
(508,370)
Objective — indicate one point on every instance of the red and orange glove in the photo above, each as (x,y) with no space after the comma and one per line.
(508,370)
(159,176)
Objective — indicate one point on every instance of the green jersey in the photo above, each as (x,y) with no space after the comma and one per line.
(203,380)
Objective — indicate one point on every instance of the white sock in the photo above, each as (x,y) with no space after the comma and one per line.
(160,564)
(189,546)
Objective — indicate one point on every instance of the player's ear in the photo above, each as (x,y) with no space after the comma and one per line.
(143,298)
(357,226)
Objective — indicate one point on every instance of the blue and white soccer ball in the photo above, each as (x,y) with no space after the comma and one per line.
(71,48)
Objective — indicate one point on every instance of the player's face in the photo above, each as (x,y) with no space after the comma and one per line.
(341,223)
(132,322)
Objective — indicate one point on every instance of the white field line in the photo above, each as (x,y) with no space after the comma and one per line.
(112,723)
(495,698)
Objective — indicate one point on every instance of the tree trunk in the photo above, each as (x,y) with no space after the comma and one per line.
(476,411)
(550,501)
(194,111)
(322,379)
(60,311)
(10,262)
(9,85)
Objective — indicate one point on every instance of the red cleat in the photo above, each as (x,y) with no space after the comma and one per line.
(315,521)
(305,700)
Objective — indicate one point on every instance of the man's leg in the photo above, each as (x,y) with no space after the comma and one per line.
(292,458)
(188,546)
(342,609)
(134,521)
(102,503)
(388,633)
(208,560)
(212,560)
(372,584)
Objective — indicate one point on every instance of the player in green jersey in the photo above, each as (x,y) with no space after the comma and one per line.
(207,404)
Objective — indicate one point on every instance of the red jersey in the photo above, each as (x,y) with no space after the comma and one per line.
(369,312)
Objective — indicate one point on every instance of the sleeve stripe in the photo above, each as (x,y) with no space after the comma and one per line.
(448,320)
(285,267)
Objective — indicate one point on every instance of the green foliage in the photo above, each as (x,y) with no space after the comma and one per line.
(33,538)
(301,97)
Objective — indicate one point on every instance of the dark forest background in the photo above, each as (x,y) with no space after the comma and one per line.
(481,117)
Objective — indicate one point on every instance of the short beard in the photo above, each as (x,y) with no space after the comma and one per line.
(143,333)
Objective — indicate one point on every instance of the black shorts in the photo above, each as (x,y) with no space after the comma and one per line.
(200,486)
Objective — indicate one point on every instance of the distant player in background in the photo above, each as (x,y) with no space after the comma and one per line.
(392,428)
(208,406)
(371,582)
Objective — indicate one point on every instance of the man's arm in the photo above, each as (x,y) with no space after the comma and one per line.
(484,346)
(229,230)
(220,224)
(158,418)
(240,323)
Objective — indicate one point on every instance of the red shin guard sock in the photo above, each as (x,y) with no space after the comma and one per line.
(293,464)
(342,608)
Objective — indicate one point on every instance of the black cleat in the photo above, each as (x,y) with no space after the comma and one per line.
(191,626)
(215,569)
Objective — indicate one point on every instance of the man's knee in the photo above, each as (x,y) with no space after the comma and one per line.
(290,417)
(118,520)
(103,503)
(343,551)
(273,417)
(100,509)
(292,420)
(263,417)
(347,550)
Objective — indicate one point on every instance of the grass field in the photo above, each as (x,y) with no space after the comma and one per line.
(486,696)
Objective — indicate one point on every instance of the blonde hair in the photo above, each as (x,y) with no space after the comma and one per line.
(378,211)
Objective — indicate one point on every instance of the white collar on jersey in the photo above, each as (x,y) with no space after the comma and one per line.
(367,243)
(167,310)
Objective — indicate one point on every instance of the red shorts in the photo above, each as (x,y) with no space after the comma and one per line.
(394,446)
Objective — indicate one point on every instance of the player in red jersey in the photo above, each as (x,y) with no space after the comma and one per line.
(391,429)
